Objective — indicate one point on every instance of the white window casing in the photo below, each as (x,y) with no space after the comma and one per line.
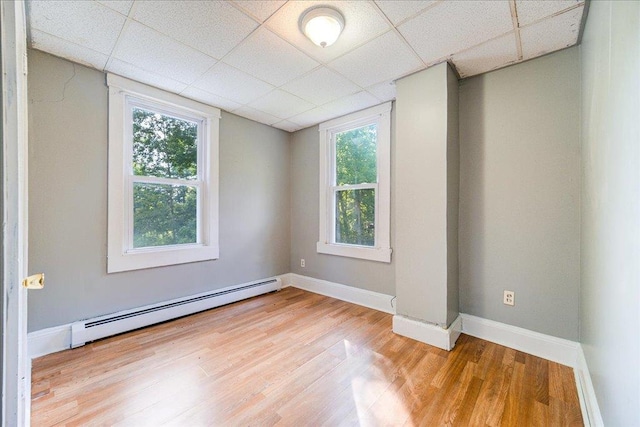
(125,94)
(381,251)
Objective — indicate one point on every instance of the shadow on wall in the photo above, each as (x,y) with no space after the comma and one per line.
(471,223)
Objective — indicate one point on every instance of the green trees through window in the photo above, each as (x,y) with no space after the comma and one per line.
(166,148)
(355,185)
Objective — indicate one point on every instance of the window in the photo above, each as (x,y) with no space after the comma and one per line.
(354,185)
(163,178)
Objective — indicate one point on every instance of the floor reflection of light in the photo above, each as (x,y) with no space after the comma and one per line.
(376,400)
(177,389)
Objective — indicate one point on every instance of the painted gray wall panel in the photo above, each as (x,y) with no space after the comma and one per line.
(68,204)
(369,275)
(519,194)
(610,265)
(421,195)
(453,197)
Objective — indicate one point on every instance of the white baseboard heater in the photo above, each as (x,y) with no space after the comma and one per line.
(100,327)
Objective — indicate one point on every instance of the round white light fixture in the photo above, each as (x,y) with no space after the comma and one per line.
(322,25)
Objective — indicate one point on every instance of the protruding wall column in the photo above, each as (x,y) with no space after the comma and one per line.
(426,207)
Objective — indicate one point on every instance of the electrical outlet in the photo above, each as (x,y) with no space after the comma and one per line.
(302,262)
(509,298)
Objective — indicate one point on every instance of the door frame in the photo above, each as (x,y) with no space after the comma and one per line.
(16,364)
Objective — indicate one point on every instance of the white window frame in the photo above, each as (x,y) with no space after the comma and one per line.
(381,251)
(124,95)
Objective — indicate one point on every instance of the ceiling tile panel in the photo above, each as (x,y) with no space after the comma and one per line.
(362,22)
(452,26)
(486,57)
(210,98)
(122,6)
(212,27)
(391,56)
(268,57)
(351,103)
(260,9)
(134,73)
(229,82)
(281,104)
(257,115)
(149,50)
(64,49)
(399,10)
(312,117)
(85,23)
(530,11)
(551,34)
(383,91)
(272,73)
(321,86)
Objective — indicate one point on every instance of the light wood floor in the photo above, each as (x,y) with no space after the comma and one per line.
(296,358)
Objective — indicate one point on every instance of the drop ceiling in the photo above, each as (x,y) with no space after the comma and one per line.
(250,58)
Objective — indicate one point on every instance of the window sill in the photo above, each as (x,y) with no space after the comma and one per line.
(149,258)
(360,252)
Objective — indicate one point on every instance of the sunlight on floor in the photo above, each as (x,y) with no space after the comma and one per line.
(375,390)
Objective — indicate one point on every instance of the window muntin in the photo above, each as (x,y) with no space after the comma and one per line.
(354,185)
(163,178)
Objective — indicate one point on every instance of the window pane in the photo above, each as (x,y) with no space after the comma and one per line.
(164,146)
(355,217)
(356,156)
(164,215)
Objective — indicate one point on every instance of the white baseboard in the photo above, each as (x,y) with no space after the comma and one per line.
(428,333)
(363,297)
(50,340)
(548,347)
(286,279)
(588,402)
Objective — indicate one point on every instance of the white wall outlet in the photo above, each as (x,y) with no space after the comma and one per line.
(302,262)
(509,298)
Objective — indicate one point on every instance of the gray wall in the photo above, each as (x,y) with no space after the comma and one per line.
(427,139)
(364,274)
(519,194)
(68,204)
(610,272)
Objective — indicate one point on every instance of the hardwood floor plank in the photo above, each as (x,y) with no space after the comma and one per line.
(515,402)
(295,358)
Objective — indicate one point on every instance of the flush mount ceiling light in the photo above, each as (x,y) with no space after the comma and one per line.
(322,25)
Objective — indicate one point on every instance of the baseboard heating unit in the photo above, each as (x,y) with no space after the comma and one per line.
(100,327)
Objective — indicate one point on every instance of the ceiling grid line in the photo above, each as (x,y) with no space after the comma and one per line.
(122,30)
(395,30)
(251,58)
(516,27)
(554,15)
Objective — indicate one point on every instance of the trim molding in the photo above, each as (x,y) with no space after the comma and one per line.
(548,347)
(588,401)
(428,333)
(363,297)
(50,340)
